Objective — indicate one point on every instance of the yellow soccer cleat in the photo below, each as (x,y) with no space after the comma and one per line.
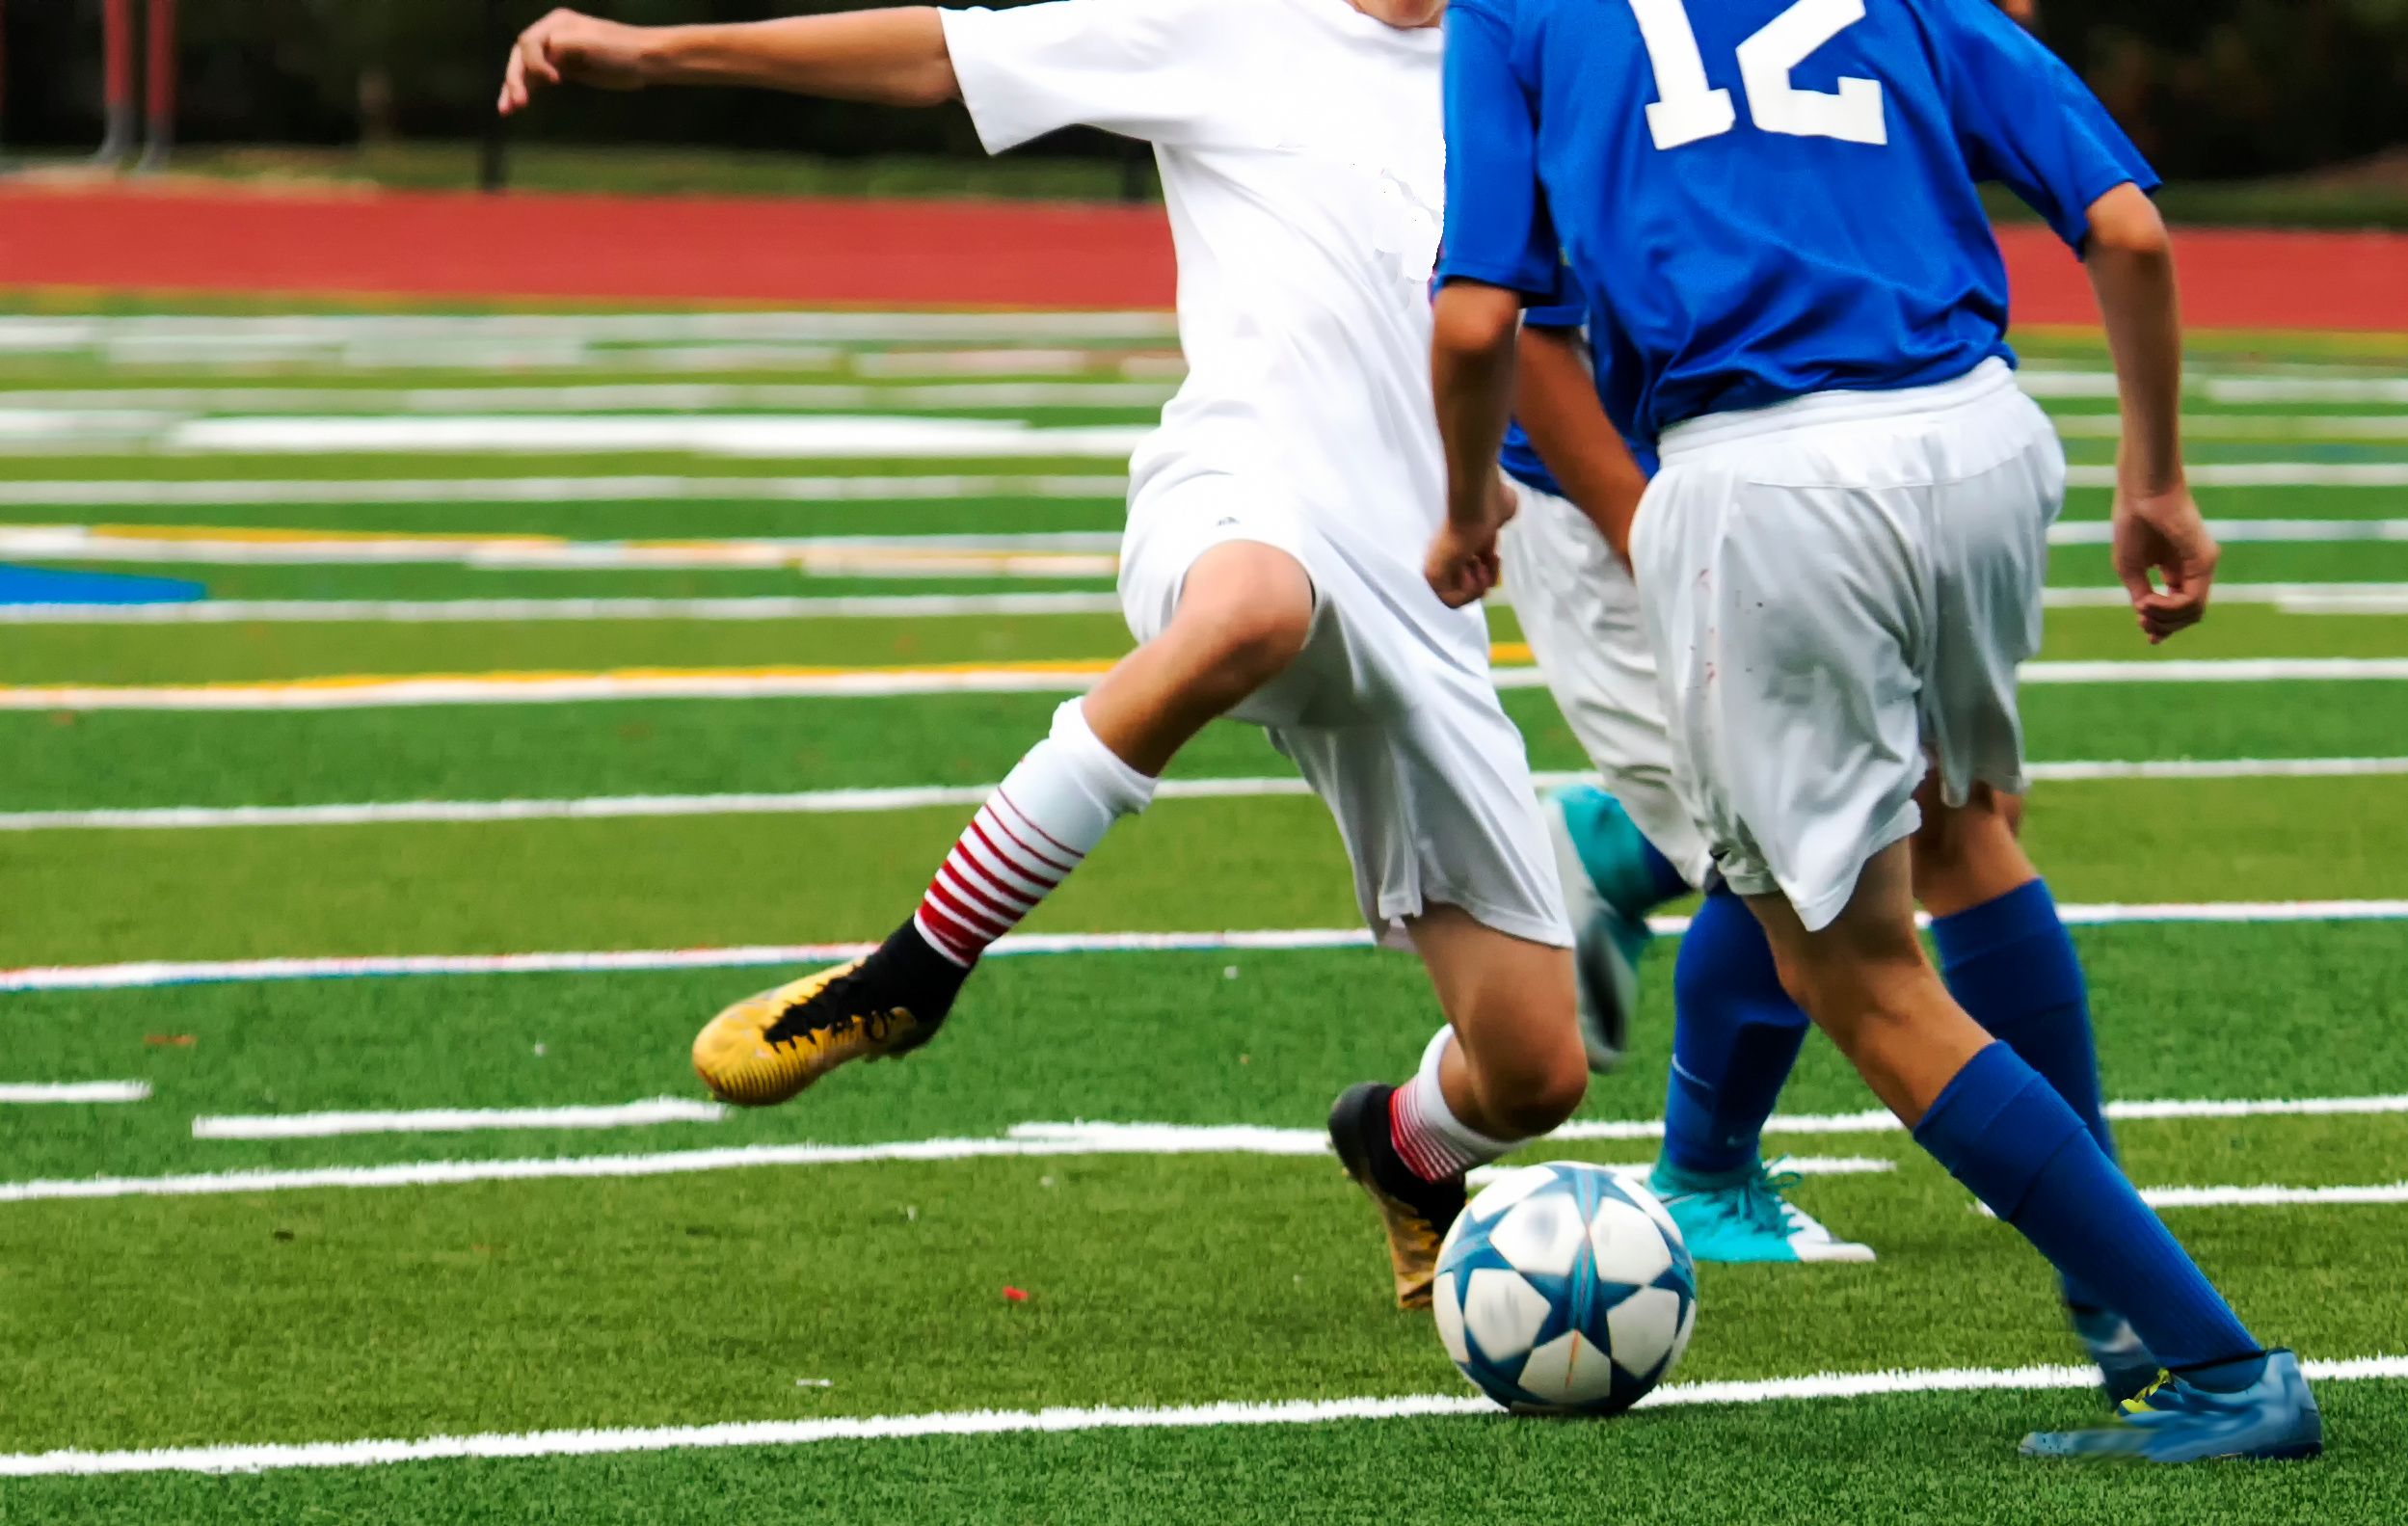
(767,1049)
(1414,1214)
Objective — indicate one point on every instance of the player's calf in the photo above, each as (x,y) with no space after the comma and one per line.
(1509,1067)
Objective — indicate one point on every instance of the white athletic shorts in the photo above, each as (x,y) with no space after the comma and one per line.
(1579,610)
(1839,589)
(1403,740)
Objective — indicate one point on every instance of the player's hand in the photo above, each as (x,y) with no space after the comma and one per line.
(570,48)
(1462,564)
(2162,533)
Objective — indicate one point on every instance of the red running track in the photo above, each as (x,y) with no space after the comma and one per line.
(910,253)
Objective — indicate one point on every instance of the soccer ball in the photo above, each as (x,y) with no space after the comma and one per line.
(1565,1289)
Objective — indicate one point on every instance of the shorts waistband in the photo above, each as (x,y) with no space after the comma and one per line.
(1815,409)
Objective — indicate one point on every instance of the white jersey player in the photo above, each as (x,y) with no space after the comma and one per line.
(1272,565)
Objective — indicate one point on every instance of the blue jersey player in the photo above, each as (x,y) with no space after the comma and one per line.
(1798,303)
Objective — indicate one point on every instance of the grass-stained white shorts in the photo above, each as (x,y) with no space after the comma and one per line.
(1839,590)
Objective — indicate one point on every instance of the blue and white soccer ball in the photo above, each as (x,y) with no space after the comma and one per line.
(1566,1289)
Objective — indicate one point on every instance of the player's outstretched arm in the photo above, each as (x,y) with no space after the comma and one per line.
(1555,396)
(2157,526)
(891,57)
(1471,371)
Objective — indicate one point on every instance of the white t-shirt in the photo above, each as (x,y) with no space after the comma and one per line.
(1302,155)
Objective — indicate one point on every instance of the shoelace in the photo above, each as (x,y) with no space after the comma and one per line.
(2139,1402)
(1763,1202)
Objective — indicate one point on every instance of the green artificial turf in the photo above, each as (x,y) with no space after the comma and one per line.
(132,759)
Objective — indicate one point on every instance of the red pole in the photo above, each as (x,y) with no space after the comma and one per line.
(117,101)
(159,82)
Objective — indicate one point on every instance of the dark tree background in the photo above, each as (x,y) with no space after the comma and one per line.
(2211,89)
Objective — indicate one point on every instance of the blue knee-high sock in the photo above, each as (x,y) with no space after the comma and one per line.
(2010,963)
(2001,1129)
(1735,1038)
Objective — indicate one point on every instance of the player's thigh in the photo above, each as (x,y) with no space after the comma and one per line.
(1790,622)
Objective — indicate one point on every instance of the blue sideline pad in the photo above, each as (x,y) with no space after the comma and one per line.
(40,585)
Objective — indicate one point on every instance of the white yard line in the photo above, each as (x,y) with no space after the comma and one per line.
(2274,1197)
(2250,426)
(455,1120)
(757,435)
(149,974)
(916,797)
(2249,532)
(1066,677)
(445,611)
(604,397)
(659,489)
(1027,1140)
(42,1093)
(257,1457)
(2331,598)
(2269,475)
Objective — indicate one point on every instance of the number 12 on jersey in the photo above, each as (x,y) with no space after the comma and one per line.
(1688,110)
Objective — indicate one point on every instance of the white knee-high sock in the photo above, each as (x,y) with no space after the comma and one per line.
(1041,821)
(1434,1143)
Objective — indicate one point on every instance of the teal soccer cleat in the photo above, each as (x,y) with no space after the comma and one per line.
(2176,1421)
(1601,857)
(1745,1217)
(2125,1366)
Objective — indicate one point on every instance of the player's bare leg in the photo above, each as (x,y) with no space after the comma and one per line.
(1508,1067)
(1244,615)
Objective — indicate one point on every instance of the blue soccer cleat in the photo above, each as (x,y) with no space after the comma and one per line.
(1747,1218)
(2174,1420)
(2126,1365)
(1601,857)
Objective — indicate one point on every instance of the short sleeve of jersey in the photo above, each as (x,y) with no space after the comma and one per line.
(1138,67)
(1497,228)
(2027,122)
(1566,309)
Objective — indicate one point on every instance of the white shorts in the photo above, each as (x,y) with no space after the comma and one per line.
(1579,610)
(1839,589)
(1403,740)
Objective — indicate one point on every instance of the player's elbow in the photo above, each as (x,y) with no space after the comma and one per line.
(2126,222)
(1475,319)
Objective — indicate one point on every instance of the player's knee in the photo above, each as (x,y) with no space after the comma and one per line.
(1256,640)
(1537,1090)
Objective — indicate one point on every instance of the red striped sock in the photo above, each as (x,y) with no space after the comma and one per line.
(1040,824)
(1429,1139)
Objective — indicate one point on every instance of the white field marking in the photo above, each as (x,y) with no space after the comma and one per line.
(37,334)
(2289,597)
(2314,385)
(2234,532)
(2274,1196)
(2344,605)
(154,973)
(2269,475)
(267,1456)
(35,1093)
(2250,426)
(455,1120)
(1075,553)
(601,397)
(1877,1122)
(918,797)
(655,488)
(800,436)
(445,611)
(1802,1165)
(2379,597)
(1067,677)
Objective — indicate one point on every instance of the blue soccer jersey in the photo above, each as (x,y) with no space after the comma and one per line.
(1761,199)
